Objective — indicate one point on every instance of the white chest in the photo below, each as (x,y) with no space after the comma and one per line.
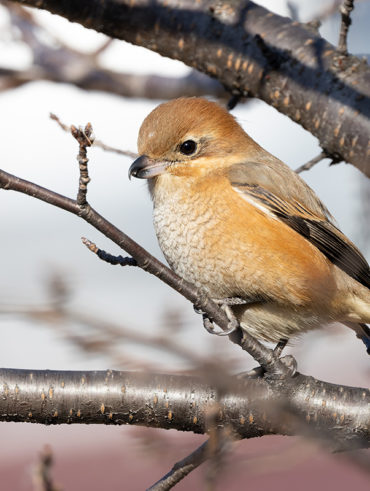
(186,229)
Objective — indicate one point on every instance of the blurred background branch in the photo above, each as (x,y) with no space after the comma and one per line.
(288,65)
(55,61)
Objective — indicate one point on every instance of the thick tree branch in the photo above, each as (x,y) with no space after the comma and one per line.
(250,51)
(250,408)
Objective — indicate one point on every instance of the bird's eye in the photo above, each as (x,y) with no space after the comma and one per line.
(188,147)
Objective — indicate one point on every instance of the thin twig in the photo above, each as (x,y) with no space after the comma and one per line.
(43,478)
(182,468)
(85,139)
(293,11)
(345,11)
(311,163)
(219,442)
(108,258)
(96,143)
(108,148)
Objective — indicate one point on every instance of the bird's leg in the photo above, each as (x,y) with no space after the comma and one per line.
(289,361)
(280,346)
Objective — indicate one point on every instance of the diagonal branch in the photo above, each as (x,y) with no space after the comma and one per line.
(263,355)
(182,468)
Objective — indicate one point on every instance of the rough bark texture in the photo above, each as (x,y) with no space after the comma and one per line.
(250,51)
(337,415)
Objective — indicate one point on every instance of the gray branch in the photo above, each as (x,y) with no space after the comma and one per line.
(339,416)
(251,51)
(57,62)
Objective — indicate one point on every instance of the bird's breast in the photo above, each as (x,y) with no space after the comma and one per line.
(214,238)
(186,225)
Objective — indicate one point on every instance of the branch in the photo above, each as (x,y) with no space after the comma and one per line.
(311,163)
(95,142)
(123,84)
(263,355)
(250,407)
(250,51)
(182,468)
(345,12)
(58,62)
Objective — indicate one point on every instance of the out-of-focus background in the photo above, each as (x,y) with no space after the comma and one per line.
(41,245)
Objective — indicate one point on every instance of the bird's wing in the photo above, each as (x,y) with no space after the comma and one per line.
(263,187)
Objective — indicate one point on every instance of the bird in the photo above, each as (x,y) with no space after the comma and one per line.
(240,224)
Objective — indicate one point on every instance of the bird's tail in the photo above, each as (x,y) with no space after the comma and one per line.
(362,332)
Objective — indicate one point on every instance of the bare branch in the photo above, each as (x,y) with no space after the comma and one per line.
(96,143)
(58,62)
(103,336)
(263,355)
(311,163)
(345,11)
(43,478)
(182,468)
(250,407)
(85,139)
(270,57)
(108,258)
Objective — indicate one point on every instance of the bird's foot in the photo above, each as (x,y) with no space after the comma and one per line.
(225,304)
(280,346)
(291,364)
(289,361)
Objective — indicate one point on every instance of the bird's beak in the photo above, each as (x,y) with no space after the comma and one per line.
(146,168)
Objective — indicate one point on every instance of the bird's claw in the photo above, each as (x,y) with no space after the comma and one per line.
(291,363)
(288,360)
(210,327)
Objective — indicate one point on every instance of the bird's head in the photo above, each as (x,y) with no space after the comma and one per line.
(189,137)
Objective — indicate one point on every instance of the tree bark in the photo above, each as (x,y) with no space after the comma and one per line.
(337,415)
(251,52)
